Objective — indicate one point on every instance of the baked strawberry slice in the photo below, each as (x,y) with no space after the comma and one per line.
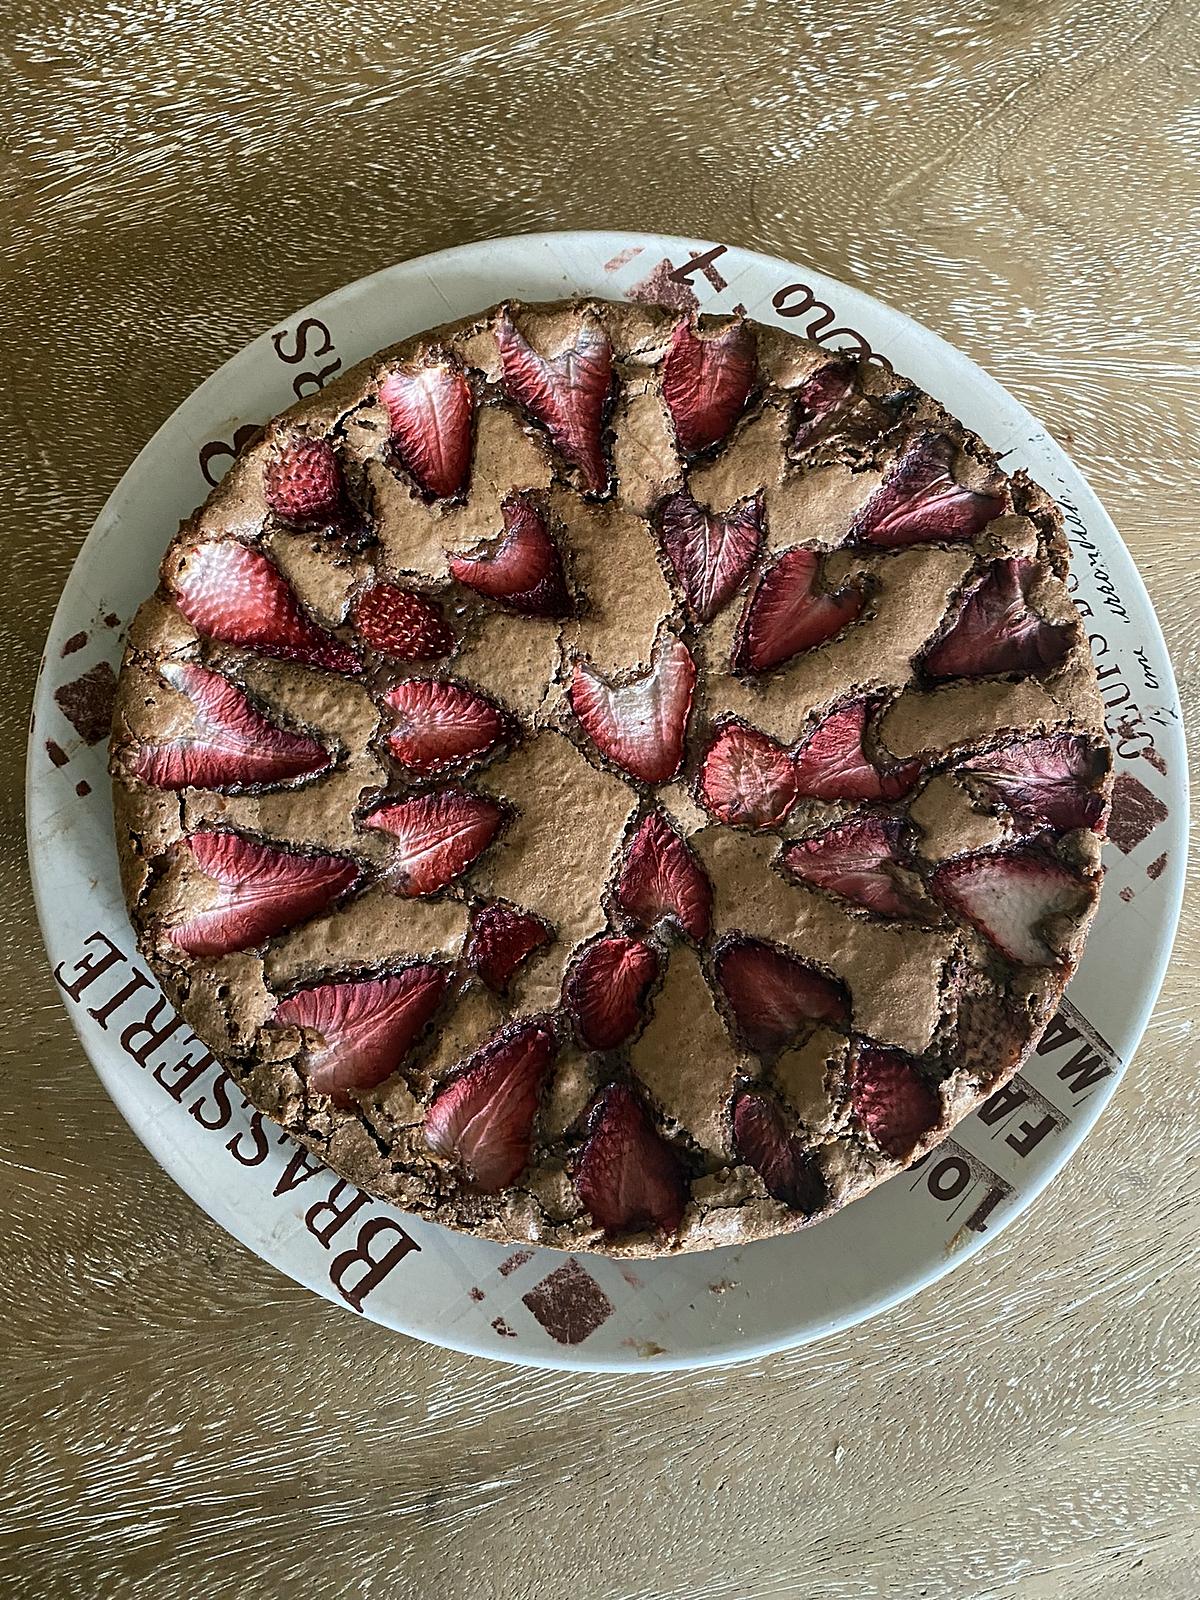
(893,1100)
(229,745)
(919,501)
(1045,782)
(661,878)
(482,1117)
(832,764)
(523,571)
(789,612)
(567,394)
(402,625)
(746,779)
(606,988)
(363,1027)
(639,724)
(764,1142)
(437,836)
(1023,903)
(303,481)
(707,379)
(710,553)
(998,630)
(627,1175)
(429,408)
(441,724)
(230,592)
(853,859)
(501,938)
(818,399)
(774,996)
(262,889)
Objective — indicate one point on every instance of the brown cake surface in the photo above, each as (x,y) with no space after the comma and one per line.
(614,781)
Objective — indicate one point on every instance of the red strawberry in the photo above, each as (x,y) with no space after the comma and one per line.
(639,725)
(606,988)
(852,859)
(441,725)
(894,1102)
(403,625)
(229,745)
(763,1141)
(627,1176)
(817,400)
(438,836)
(746,779)
(1020,901)
(263,889)
(567,394)
(706,382)
(365,1026)
(919,501)
(233,593)
(303,481)
(662,878)
(776,996)
(832,764)
(1044,782)
(788,612)
(429,409)
(482,1117)
(711,554)
(502,937)
(524,570)
(998,631)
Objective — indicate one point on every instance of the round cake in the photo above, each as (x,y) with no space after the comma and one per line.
(612,779)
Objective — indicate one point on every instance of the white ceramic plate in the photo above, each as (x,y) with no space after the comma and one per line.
(539,1306)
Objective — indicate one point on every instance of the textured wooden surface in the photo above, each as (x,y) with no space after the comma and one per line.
(175,1419)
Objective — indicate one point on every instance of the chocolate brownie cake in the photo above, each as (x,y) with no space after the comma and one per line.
(614,780)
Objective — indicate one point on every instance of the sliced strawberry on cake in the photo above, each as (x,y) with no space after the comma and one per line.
(502,939)
(233,593)
(261,890)
(746,779)
(567,393)
(358,1031)
(789,612)
(628,1176)
(661,879)
(709,552)
(998,630)
(605,991)
(440,725)
(774,995)
(858,860)
(765,1142)
(707,379)
(919,501)
(640,722)
(1048,782)
(230,745)
(1025,903)
(429,407)
(523,571)
(437,837)
(893,1101)
(832,763)
(481,1118)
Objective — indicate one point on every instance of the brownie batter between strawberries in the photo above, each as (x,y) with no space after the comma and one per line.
(613,780)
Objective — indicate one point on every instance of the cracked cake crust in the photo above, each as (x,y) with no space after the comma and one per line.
(614,781)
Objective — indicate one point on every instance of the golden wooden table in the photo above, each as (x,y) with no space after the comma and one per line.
(176,1420)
